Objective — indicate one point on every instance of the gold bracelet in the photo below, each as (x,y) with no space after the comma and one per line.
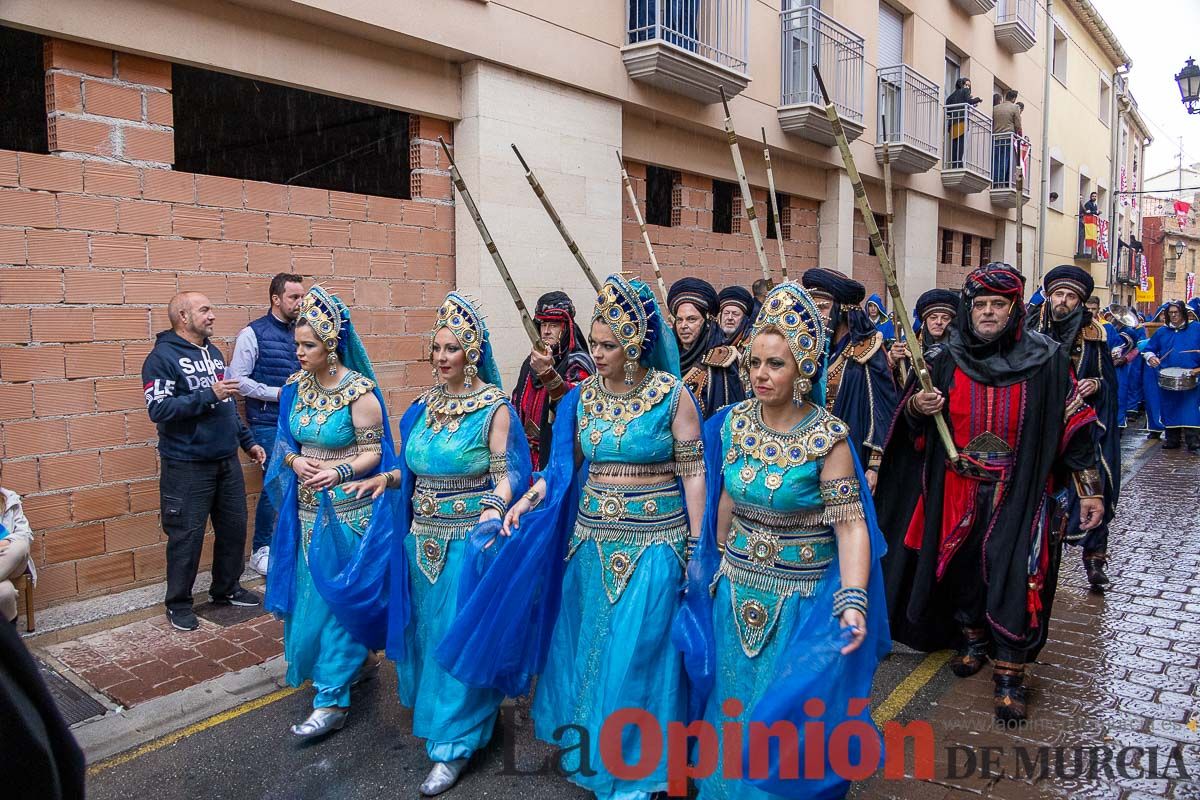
(290,458)
(533,497)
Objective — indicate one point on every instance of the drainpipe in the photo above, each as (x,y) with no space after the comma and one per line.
(1115,114)
(1045,181)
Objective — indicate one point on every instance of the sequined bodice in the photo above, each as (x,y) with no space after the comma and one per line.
(321,416)
(451,436)
(630,428)
(773,470)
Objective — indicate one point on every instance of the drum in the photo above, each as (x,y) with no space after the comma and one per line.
(1176,379)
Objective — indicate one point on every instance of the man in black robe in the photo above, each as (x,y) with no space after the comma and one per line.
(860,389)
(972,555)
(935,310)
(709,367)
(547,376)
(734,307)
(1066,318)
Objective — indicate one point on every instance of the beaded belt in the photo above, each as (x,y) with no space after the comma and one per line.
(616,469)
(787,520)
(352,512)
(327,453)
(444,510)
(992,458)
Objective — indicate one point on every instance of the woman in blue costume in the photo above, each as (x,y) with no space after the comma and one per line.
(326,579)
(785,595)
(1177,344)
(882,322)
(465,456)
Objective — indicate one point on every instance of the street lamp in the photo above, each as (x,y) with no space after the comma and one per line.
(1178,247)
(1189,86)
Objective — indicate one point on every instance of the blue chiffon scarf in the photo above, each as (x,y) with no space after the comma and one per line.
(811,666)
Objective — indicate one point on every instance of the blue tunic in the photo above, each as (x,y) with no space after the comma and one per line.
(1177,348)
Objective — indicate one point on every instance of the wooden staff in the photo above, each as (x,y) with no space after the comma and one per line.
(774,205)
(637,214)
(890,216)
(526,320)
(558,223)
(1015,161)
(885,265)
(747,198)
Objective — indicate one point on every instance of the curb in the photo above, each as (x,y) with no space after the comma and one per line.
(117,732)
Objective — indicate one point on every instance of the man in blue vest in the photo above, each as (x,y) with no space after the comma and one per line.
(263,359)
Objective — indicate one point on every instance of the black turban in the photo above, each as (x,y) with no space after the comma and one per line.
(738,295)
(552,305)
(696,291)
(845,291)
(937,300)
(1014,354)
(1069,276)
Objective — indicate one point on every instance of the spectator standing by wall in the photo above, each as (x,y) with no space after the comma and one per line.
(192,401)
(15,539)
(956,118)
(264,357)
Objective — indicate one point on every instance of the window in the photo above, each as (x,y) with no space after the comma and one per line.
(1085,190)
(242,128)
(966,250)
(881,225)
(953,70)
(660,185)
(985,252)
(783,225)
(1102,200)
(1059,55)
(723,192)
(1105,107)
(22,92)
(947,246)
(1057,176)
(891,36)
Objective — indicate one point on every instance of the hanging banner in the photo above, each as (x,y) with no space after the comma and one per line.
(1189,287)
(1145,295)
(1181,212)
(1102,239)
(1144,280)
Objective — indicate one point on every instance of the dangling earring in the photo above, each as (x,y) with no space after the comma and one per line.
(333,359)
(630,368)
(800,387)
(437,379)
(470,372)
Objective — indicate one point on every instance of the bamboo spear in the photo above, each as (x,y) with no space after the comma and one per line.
(1015,160)
(774,204)
(526,320)
(747,198)
(637,214)
(558,223)
(890,216)
(885,265)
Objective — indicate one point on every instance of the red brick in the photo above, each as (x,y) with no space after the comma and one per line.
(431,186)
(387,265)
(35,209)
(266,196)
(385,209)
(368,235)
(57,248)
(347,206)
(100,502)
(229,322)
(12,246)
(68,471)
(352,263)
(223,257)
(331,233)
(111,100)
(310,261)
(20,476)
(304,200)
(118,180)
(34,437)
(95,431)
(268,259)
(8,168)
(64,397)
(55,582)
(15,326)
(87,213)
(175,187)
(147,71)
(52,173)
(428,215)
(104,571)
(47,511)
(245,226)
(95,360)
(122,323)
(213,190)
(212,286)
(128,463)
(31,363)
(73,135)
(174,254)
(16,401)
(72,544)
(118,251)
(421,127)
(143,216)
(63,92)
(196,223)
(284,229)
(62,325)
(143,496)
(420,267)
(148,144)
(149,287)
(78,57)
(131,532)
(120,394)
(94,286)
(159,109)
(150,562)
(440,242)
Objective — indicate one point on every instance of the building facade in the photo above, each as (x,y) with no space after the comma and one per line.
(1172,246)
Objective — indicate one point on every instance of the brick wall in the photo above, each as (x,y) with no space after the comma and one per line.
(689,247)
(950,271)
(94,240)
(866,263)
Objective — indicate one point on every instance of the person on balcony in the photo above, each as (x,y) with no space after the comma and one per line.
(1091,206)
(956,119)
(1006,118)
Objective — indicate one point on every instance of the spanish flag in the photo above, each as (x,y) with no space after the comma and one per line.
(1090,232)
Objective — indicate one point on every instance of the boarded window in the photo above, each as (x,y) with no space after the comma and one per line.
(723,193)
(659,190)
(22,92)
(947,247)
(966,250)
(782,226)
(242,128)
(985,252)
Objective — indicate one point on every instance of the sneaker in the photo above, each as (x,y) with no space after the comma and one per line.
(183,619)
(258,561)
(242,597)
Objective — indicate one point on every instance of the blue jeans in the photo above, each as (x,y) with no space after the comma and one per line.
(264,514)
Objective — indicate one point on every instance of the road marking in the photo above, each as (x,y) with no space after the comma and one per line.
(191,730)
(908,688)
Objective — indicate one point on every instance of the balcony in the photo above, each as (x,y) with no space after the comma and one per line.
(967,153)
(812,38)
(692,47)
(1016,25)
(910,119)
(974,7)
(1006,170)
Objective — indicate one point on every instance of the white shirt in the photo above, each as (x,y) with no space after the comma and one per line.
(245,356)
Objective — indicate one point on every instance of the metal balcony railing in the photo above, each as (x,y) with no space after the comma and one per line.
(968,142)
(813,38)
(910,109)
(716,30)
(1006,160)
(1023,12)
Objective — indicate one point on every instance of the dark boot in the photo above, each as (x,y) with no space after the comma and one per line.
(972,655)
(1171,440)
(1093,564)
(1192,437)
(1154,435)
(1009,678)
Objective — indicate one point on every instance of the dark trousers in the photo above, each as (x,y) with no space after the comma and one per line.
(190,493)
(264,512)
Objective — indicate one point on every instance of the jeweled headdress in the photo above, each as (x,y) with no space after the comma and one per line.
(790,309)
(325,314)
(629,310)
(463,318)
